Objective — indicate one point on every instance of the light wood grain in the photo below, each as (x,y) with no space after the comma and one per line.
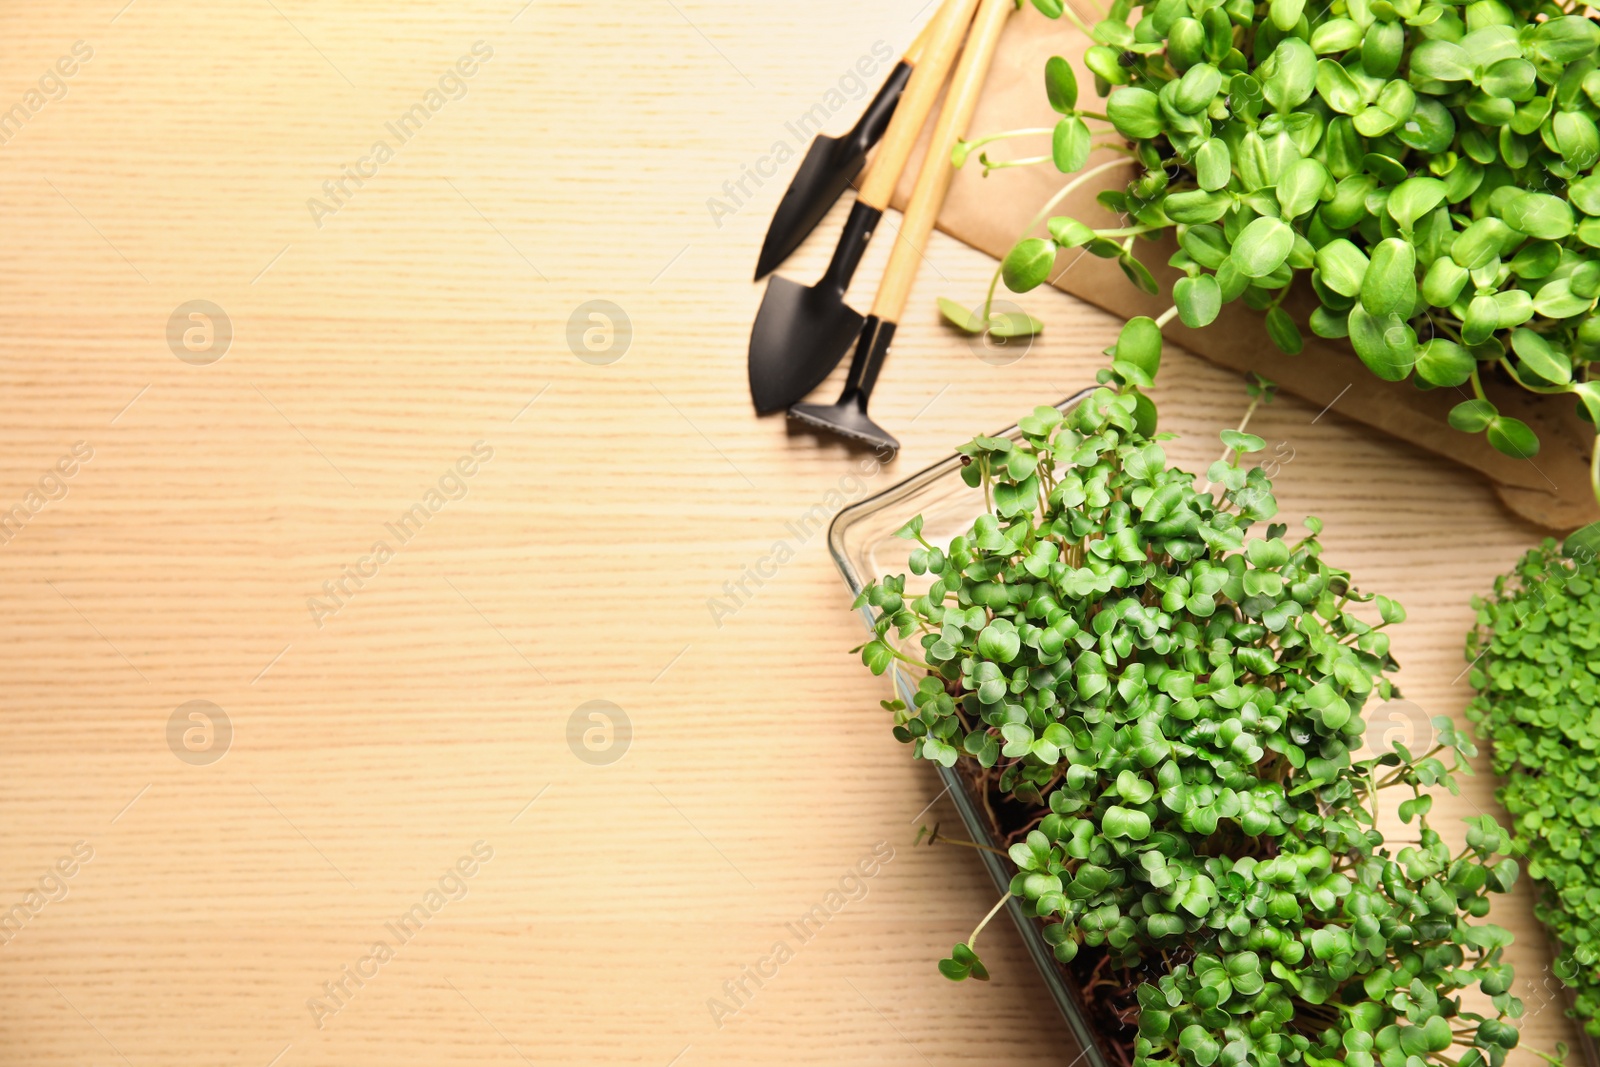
(369,354)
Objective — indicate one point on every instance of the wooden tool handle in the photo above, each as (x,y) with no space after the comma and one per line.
(934,181)
(913,55)
(939,54)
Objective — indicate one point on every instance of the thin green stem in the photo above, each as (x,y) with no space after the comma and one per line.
(973,940)
(1250,411)
(1128,231)
(1548,1059)
(1007,135)
(1066,191)
(941,839)
(1029,161)
(988,299)
(1066,9)
(902,657)
(1397,776)
(1255,402)
(1548,390)
(1044,213)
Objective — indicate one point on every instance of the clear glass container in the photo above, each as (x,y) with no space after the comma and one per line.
(865,549)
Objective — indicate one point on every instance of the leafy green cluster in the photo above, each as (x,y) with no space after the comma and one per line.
(1426,163)
(1536,653)
(1179,701)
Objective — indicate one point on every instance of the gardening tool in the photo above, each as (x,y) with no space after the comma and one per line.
(832,163)
(848,415)
(801,332)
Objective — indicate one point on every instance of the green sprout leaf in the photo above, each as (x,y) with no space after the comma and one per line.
(1262,247)
(1027,266)
(1069,146)
(1539,215)
(963,963)
(1061,85)
(1538,357)
(1284,333)
(1199,299)
(1386,344)
(1473,416)
(959,317)
(1242,443)
(1445,364)
(1009,324)
(1513,437)
(1389,286)
(1343,266)
(1213,166)
(1140,344)
(1134,112)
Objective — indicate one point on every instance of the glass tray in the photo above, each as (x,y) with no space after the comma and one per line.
(864,547)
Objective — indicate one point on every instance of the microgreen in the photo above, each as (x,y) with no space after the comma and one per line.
(1425,164)
(1533,653)
(1174,688)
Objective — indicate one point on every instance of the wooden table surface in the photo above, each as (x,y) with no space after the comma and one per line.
(400,697)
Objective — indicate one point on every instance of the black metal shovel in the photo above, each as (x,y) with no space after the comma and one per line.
(831,164)
(847,416)
(801,332)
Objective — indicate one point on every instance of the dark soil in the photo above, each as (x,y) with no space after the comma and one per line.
(1106,993)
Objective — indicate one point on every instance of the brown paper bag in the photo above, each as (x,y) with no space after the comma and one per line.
(1552,489)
